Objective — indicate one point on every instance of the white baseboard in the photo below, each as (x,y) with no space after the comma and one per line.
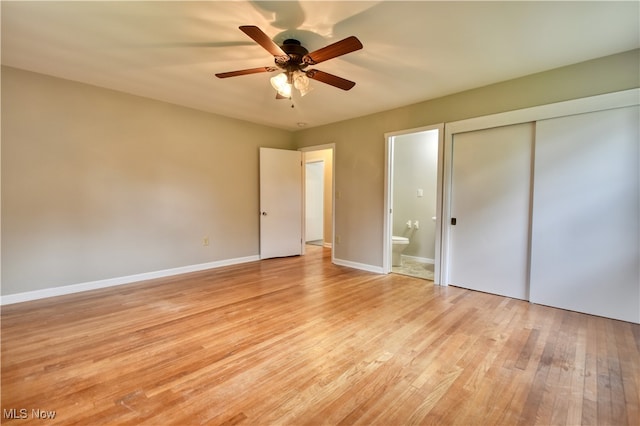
(112,282)
(419,259)
(327,245)
(356,265)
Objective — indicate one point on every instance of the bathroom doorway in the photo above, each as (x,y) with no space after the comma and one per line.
(319,195)
(413,202)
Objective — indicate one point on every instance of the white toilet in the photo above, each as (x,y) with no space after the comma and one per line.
(398,244)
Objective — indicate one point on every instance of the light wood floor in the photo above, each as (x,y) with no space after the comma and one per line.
(302,341)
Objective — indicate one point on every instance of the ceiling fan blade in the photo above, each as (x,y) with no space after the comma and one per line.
(263,40)
(214,44)
(245,72)
(330,79)
(339,48)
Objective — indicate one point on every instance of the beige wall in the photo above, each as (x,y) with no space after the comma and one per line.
(415,158)
(360,143)
(98,184)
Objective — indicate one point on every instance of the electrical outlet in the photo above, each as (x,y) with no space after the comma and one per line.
(205,241)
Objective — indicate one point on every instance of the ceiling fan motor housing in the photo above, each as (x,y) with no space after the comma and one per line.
(295,54)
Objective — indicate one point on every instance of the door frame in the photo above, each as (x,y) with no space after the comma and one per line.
(304,150)
(576,106)
(388,197)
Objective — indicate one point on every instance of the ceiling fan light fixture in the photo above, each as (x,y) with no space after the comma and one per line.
(301,82)
(281,84)
(285,82)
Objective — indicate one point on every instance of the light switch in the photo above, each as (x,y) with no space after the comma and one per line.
(420,192)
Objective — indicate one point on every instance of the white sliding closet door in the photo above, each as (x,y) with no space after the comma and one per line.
(490,201)
(585,234)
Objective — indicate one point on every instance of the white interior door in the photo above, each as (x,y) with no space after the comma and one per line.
(490,201)
(586,232)
(314,201)
(280,203)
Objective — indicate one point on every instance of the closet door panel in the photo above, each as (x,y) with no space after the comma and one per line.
(585,224)
(490,199)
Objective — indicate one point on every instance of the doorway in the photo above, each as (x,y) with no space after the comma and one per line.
(413,202)
(319,195)
(314,202)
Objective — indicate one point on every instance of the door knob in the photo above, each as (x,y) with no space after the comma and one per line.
(264,213)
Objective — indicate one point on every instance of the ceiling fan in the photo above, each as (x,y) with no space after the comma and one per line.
(293,59)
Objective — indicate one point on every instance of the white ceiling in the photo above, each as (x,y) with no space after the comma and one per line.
(413,51)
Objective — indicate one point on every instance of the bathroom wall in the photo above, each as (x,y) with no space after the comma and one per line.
(414,170)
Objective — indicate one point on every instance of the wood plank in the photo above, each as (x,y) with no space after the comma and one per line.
(631,382)
(302,341)
(590,394)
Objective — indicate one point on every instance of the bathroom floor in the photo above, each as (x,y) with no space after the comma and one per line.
(414,269)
